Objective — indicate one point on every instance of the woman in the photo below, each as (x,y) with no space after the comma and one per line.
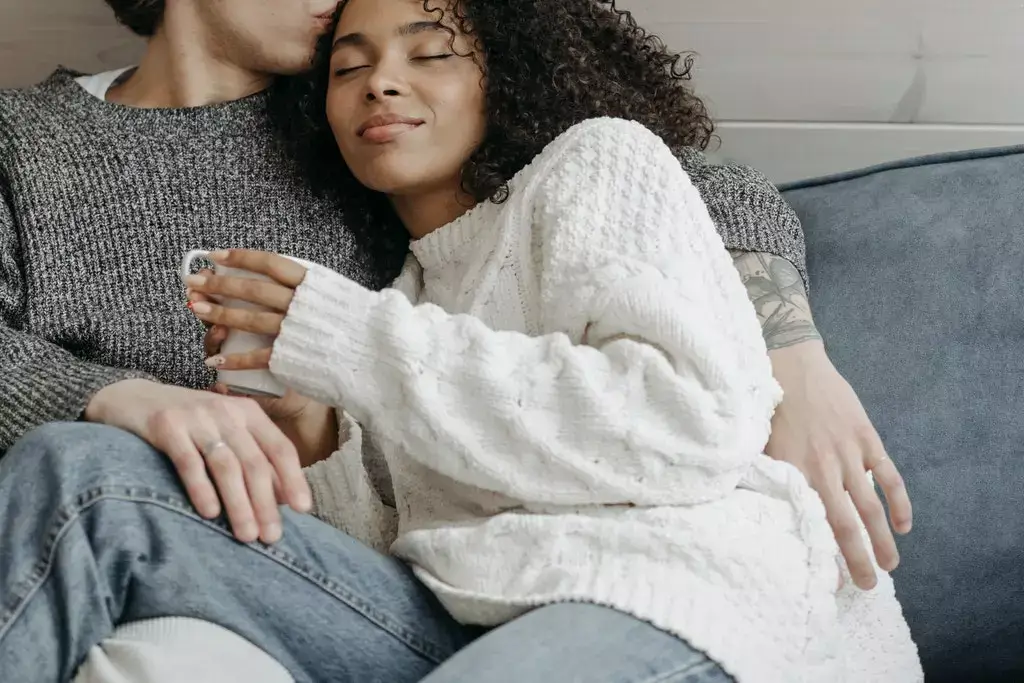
(567,383)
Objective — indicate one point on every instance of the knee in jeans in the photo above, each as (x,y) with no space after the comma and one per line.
(63,448)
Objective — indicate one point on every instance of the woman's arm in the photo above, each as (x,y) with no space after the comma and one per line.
(352,490)
(650,386)
(313,431)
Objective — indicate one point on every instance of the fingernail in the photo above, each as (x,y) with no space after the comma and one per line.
(200,307)
(272,532)
(247,532)
(189,304)
(214,361)
(195,280)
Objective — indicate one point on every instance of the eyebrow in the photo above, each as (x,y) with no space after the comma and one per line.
(407,30)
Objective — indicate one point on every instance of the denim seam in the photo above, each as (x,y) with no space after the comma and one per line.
(70,512)
(686,670)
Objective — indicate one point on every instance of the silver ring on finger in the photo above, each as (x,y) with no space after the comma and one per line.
(213,446)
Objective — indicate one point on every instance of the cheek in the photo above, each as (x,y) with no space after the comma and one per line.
(339,115)
(465,117)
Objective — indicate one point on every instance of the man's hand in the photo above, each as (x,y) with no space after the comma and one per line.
(822,428)
(218,444)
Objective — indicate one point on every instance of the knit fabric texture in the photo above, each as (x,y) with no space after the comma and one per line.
(571,393)
(98,203)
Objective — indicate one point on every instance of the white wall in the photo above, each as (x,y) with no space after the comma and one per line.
(885,62)
(807,87)
(891,61)
(37,35)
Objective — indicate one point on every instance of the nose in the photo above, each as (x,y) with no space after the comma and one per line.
(386,82)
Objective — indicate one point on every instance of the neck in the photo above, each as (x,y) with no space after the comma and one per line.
(424,213)
(180,70)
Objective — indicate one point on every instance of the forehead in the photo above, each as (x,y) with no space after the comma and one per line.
(384,12)
(388,16)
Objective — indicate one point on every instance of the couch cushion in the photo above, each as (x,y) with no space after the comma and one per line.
(917,275)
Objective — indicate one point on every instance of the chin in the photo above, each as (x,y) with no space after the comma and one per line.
(290,60)
(387,178)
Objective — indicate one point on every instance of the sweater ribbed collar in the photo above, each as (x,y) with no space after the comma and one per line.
(447,243)
(238,118)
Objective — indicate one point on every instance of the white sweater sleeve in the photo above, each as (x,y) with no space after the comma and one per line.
(650,385)
(346,496)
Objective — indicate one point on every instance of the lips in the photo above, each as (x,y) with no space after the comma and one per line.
(387,127)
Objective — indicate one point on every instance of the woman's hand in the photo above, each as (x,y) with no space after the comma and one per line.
(822,428)
(311,427)
(274,296)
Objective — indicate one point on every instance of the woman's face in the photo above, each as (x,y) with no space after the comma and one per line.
(405,103)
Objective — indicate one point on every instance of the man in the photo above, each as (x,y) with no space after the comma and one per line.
(105,188)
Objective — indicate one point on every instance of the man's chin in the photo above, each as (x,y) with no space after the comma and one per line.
(293,66)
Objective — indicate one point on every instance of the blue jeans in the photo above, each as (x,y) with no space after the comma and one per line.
(95,531)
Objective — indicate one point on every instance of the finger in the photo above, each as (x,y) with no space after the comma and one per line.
(260,322)
(842,518)
(285,460)
(227,474)
(174,439)
(278,489)
(220,388)
(214,339)
(871,512)
(261,292)
(257,471)
(274,266)
(251,360)
(889,480)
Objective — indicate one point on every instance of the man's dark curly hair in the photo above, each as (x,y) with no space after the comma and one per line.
(143,17)
(547,65)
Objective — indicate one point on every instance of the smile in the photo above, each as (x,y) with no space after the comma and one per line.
(386,127)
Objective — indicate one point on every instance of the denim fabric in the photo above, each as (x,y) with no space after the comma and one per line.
(97,531)
(917,286)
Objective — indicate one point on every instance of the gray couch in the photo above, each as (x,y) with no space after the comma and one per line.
(917,273)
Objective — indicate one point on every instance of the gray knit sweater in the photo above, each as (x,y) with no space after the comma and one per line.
(101,201)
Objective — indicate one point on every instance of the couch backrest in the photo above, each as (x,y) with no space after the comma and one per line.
(917,278)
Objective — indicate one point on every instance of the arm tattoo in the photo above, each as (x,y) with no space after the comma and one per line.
(777,292)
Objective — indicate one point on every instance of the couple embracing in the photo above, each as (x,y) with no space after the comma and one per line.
(556,408)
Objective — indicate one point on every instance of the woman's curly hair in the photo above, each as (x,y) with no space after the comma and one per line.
(547,65)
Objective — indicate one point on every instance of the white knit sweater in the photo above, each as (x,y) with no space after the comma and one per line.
(571,394)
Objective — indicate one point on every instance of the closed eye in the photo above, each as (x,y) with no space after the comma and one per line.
(433,57)
(348,70)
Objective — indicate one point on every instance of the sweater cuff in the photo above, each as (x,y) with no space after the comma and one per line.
(53,392)
(326,339)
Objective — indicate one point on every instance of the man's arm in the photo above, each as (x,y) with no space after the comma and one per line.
(764,236)
(821,426)
(40,382)
(747,209)
(776,289)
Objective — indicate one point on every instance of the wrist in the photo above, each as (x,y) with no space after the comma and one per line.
(106,405)
(802,351)
(314,431)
